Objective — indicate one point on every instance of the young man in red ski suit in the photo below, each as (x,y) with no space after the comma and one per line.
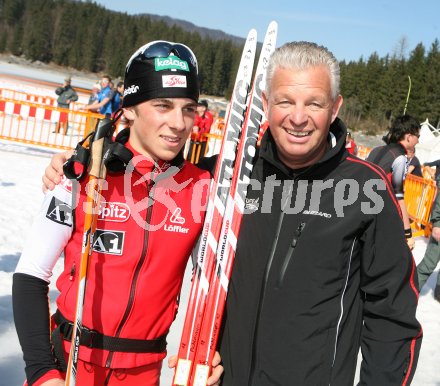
(150,218)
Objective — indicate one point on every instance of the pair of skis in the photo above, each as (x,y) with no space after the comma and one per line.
(226,202)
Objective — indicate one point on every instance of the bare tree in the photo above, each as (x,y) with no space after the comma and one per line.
(401,48)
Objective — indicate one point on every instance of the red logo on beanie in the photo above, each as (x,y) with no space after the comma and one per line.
(174,81)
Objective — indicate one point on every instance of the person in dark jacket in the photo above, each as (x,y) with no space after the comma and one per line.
(66,95)
(322,267)
(435,174)
(393,158)
(432,254)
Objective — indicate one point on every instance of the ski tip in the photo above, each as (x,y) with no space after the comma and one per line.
(272,28)
(252,34)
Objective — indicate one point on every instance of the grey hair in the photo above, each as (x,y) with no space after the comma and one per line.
(301,56)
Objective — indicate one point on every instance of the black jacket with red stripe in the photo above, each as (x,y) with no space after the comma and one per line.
(322,268)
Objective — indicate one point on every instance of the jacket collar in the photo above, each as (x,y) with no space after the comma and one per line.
(397,146)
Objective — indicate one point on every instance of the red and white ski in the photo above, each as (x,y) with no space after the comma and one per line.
(218,286)
(195,369)
(214,214)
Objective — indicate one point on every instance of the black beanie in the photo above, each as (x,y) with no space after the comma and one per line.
(160,77)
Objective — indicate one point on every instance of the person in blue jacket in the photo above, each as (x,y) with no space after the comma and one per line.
(104,103)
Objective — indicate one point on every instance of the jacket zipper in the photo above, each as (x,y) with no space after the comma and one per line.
(280,280)
(289,254)
(266,277)
(272,252)
(137,270)
(275,242)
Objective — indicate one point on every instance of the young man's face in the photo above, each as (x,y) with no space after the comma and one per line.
(300,109)
(160,127)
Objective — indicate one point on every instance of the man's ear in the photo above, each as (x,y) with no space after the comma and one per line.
(265,102)
(336,106)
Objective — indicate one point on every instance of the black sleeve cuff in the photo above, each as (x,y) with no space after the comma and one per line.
(30,305)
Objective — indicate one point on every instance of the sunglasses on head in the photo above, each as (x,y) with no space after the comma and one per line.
(162,49)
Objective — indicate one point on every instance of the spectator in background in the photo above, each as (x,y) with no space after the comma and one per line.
(96,88)
(434,173)
(414,167)
(66,95)
(204,117)
(350,144)
(117,97)
(104,103)
(202,126)
(402,137)
(432,254)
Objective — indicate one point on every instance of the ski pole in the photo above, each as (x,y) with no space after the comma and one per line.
(101,138)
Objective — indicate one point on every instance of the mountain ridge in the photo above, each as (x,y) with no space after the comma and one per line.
(214,34)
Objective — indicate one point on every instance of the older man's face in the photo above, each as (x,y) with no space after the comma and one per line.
(300,109)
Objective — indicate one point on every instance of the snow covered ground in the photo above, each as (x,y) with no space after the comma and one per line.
(21,168)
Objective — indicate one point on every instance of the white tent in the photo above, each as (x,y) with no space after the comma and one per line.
(428,148)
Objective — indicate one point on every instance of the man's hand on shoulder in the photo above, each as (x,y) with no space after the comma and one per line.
(54,171)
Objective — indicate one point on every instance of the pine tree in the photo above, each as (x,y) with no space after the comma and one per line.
(38,30)
(432,83)
(65,27)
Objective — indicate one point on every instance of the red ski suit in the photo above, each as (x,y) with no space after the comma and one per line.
(133,284)
(149,220)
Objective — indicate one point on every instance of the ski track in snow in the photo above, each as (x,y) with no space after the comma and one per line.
(21,194)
